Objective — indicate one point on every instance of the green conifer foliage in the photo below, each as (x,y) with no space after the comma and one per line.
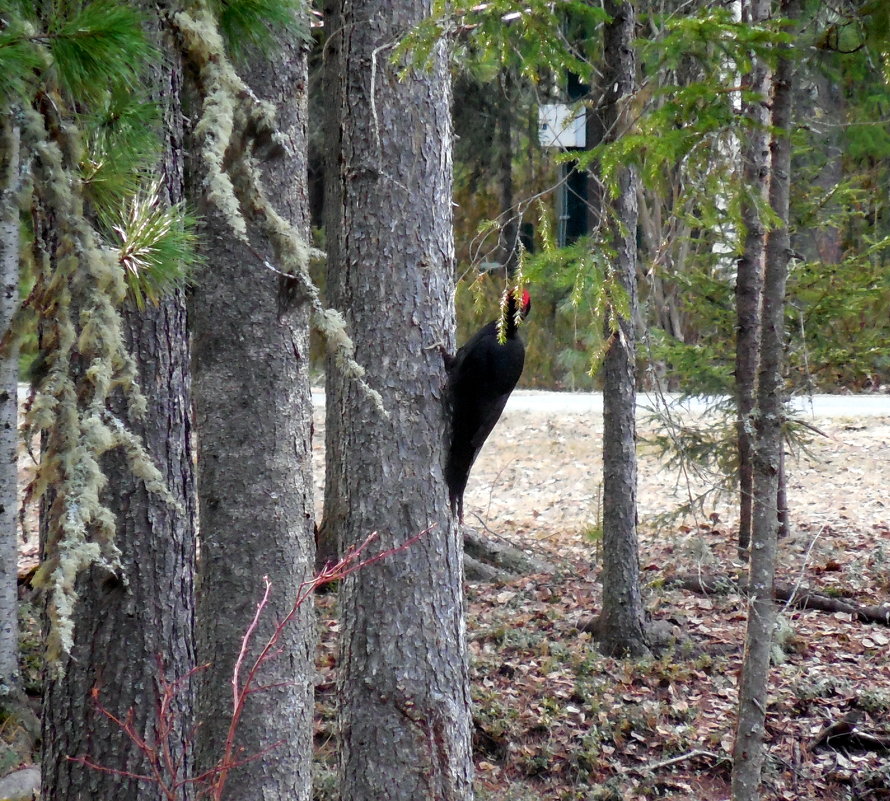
(685,141)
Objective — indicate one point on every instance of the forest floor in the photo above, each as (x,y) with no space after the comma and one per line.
(556,720)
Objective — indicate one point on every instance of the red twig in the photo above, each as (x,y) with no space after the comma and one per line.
(165,769)
(326,575)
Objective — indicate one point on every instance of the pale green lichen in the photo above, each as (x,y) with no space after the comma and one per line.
(78,292)
(217,122)
(79,287)
(233,181)
(138,461)
(58,577)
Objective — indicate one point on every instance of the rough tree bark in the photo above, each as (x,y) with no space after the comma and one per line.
(128,631)
(253,423)
(748,751)
(10,140)
(620,629)
(749,274)
(126,634)
(403,683)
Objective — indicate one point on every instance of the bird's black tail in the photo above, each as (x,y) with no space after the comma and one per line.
(457,472)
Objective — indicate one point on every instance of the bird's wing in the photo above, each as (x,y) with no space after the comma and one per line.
(487,420)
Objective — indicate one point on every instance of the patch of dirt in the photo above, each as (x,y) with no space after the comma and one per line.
(539,479)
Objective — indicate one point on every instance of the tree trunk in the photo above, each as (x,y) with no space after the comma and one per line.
(133,628)
(509,238)
(130,633)
(403,683)
(253,424)
(749,276)
(818,89)
(782,515)
(9,292)
(748,750)
(621,623)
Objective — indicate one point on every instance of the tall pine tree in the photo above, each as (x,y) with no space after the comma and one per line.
(403,683)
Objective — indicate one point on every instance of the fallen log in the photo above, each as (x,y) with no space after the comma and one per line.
(500,555)
(846,734)
(797,597)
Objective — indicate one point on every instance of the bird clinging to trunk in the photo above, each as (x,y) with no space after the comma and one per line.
(481,377)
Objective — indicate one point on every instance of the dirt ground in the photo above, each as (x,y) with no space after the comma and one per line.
(540,477)
(537,483)
(556,720)
(553,719)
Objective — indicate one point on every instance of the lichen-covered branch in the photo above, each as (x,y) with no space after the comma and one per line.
(233,122)
(79,289)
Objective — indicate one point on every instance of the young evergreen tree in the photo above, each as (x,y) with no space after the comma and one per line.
(253,424)
(620,629)
(505,106)
(748,753)
(403,682)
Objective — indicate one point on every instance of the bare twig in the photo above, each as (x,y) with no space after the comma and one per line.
(653,766)
(803,568)
(165,769)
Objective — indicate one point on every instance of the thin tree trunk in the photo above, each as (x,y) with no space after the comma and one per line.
(748,751)
(782,496)
(253,423)
(621,624)
(818,90)
(10,141)
(136,626)
(329,538)
(504,137)
(749,276)
(403,683)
